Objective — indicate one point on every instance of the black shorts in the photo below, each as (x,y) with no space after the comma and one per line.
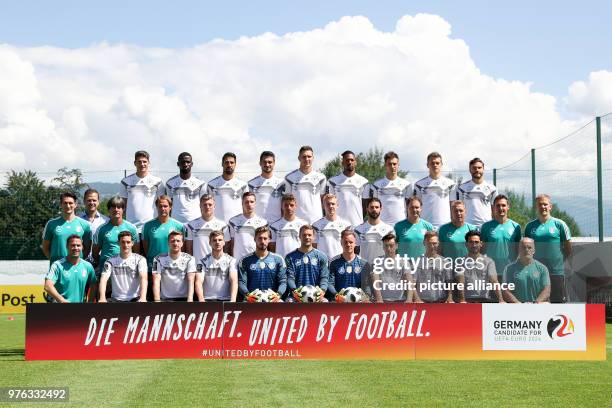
(181,299)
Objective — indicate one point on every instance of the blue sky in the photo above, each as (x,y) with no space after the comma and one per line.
(548,43)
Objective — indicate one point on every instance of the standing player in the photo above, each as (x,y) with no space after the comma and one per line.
(91,213)
(411,231)
(477,273)
(501,236)
(242,227)
(432,278)
(140,190)
(197,241)
(227,189)
(347,269)
(185,191)
(390,280)
(351,190)
(330,227)
(477,195)
(174,272)
(530,277)
(371,233)
(392,191)
(262,269)
(452,235)
(436,191)
(307,185)
(68,277)
(155,232)
(217,277)
(57,230)
(106,240)
(286,230)
(127,272)
(553,245)
(268,189)
(307,265)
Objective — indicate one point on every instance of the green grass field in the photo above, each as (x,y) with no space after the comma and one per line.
(289,383)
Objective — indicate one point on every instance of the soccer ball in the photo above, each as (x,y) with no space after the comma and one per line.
(263,296)
(351,295)
(307,294)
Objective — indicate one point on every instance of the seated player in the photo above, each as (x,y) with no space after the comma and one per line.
(217,277)
(530,277)
(477,271)
(432,277)
(391,284)
(68,278)
(174,272)
(307,265)
(347,269)
(127,272)
(262,269)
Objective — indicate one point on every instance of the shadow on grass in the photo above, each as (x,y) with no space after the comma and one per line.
(12,352)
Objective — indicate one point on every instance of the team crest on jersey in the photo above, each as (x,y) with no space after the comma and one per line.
(349,269)
(450,234)
(305,260)
(271,265)
(357,269)
(534,230)
(262,265)
(341,270)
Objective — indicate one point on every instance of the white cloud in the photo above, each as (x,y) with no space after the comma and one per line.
(346,85)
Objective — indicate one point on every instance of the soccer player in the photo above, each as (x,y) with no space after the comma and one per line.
(57,230)
(452,235)
(351,190)
(501,236)
(477,195)
(242,227)
(347,269)
(329,228)
(185,191)
(530,277)
(390,284)
(307,185)
(197,241)
(155,232)
(174,272)
(411,231)
(286,231)
(140,191)
(127,272)
(268,189)
(477,272)
(392,191)
(91,213)
(553,245)
(262,269)
(106,240)
(436,191)
(307,265)
(371,232)
(432,274)
(68,277)
(217,277)
(227,189)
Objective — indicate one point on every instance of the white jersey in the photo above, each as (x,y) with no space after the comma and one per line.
(286,235)
(328,235)
(307,189)
(198,231)
(228,196)
(185,195)
(141,194)
(242,231)
(478,199)
(174,272)
(125,275)
(349,191)
(392,194)
(370,239)
(436,196)
(269,192)
(216,276)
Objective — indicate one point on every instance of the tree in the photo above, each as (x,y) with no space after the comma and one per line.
(370,165)
(70,180)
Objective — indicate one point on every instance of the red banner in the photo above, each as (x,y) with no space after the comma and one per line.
(314,331)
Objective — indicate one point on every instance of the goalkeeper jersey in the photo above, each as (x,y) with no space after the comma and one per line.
(309,268)
(264,273)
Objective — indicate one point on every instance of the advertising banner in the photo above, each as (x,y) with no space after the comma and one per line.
(314,331)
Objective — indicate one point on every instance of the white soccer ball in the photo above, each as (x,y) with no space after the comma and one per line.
(353,295)
(308,294)
(269,295)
